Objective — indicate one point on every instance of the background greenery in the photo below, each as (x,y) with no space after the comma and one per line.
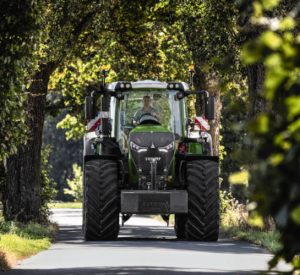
(246,54)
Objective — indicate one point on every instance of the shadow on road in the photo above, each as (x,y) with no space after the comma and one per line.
(122,271)
(155,237)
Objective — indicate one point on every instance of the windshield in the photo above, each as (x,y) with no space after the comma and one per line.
(156,107)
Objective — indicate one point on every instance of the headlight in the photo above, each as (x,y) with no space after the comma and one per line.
(136,147)
(167,148)
(170,146)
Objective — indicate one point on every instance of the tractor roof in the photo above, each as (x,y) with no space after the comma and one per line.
(145,84)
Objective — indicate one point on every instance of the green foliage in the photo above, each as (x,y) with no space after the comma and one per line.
(146,48)
(266,239)
(63,154)
(233,214)
(75,184)
(29,231)
(48,191)
(210,31)
(235,223)
(276,134)
(234,113)
(19,29)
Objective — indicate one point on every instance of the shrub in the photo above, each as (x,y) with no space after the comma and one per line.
(75,184)
(48,190)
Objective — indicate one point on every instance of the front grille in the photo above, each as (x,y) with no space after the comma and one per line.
(150,144)
(142,160)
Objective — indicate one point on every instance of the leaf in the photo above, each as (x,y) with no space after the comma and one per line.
(260,125)
(239,177)
(271,40)
(287,23)
(251,53)
(256,220)
(293,106)
(295,215)
(270,4)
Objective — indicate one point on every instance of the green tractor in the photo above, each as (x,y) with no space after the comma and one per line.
(142,155)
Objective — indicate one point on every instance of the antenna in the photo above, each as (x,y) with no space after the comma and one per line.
(104,71)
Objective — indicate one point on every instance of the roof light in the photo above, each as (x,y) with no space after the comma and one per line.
(122,86)
(175,86)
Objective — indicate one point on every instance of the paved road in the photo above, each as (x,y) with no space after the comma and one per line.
(145,246)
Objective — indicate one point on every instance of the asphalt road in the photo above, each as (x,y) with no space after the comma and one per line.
(145,246)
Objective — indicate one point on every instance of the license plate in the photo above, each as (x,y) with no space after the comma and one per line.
(154,203)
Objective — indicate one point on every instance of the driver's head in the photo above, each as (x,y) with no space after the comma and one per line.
(146,101)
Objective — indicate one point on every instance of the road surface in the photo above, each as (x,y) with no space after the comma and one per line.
(145,246)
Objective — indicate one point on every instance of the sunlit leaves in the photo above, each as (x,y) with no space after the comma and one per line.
(75,128)
(241,177)
(276,133)
(296,214)
(287,23)
(293,106)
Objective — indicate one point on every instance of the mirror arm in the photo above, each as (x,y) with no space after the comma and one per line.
(200,92)
(182,94)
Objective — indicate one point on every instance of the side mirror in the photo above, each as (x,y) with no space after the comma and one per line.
(89,108)
(180,95)
(210,108)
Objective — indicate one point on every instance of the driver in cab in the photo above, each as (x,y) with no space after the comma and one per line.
(147,109)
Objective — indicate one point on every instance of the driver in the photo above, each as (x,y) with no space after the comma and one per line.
(146,109)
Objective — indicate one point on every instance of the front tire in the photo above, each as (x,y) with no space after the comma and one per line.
(101,200)
(203,202)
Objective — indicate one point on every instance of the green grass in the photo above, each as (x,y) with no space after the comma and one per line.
(18,241)
(74,205)
(266,239)
(22,247)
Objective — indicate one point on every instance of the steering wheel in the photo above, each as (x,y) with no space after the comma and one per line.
(154,119)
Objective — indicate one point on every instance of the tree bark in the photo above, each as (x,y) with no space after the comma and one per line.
(22,188)
(255,75)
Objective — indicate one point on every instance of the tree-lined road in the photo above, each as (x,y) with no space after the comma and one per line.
(145,246)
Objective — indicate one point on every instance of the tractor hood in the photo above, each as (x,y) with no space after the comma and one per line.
(156,136)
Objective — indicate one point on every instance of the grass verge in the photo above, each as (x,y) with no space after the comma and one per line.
(74,205)
(236,224)
(266,239)
(19,241)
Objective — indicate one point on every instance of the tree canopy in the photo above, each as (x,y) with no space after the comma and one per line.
(245,53)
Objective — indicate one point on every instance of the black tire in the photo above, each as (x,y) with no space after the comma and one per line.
(203,201)
(180,221)
(101,200)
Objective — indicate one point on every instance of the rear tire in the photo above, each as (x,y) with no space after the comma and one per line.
(180,221)
(101,200)
(203,201)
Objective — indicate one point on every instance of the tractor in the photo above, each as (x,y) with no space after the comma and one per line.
(144,155)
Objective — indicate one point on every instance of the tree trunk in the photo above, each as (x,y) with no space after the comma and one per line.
(21,196)
(255,83)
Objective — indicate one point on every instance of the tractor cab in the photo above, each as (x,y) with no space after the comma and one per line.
(147,107)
